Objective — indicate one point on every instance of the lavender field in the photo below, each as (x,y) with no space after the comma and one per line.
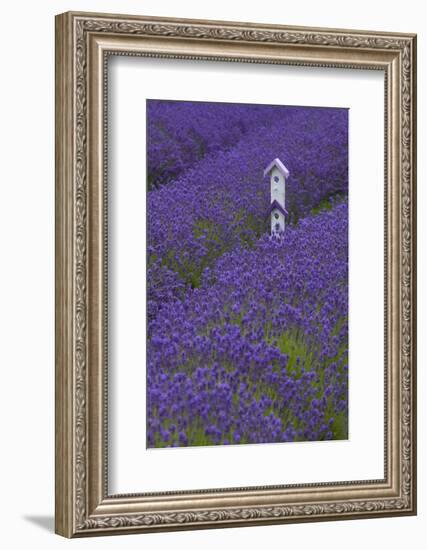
(247,338)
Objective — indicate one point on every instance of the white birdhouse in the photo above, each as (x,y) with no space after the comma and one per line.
(277,211)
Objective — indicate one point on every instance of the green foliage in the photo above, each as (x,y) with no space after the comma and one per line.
(324,204)
(340,426)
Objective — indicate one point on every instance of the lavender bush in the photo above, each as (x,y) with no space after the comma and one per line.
(180,133)
(247,333)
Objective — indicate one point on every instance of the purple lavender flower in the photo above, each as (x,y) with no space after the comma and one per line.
(247,333)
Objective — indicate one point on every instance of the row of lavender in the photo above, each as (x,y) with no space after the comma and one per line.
(248,334)
(259,352)
(179,134)
(222,200)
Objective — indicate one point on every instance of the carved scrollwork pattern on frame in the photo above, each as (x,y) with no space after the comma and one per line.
(211,31)
(243,514)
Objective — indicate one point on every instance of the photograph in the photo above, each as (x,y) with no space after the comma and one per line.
(217,211)
(247,273)
(235,272)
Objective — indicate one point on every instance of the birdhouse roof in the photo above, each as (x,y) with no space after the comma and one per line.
(275,205)
(277,163)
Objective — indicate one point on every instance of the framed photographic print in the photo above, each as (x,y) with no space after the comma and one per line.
(235,274)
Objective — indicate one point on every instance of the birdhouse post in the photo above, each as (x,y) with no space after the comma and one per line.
(277,211)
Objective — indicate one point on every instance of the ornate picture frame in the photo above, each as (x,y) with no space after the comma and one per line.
(84,42)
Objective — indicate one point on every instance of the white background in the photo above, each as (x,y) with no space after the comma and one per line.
(27,275)
(133,468)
